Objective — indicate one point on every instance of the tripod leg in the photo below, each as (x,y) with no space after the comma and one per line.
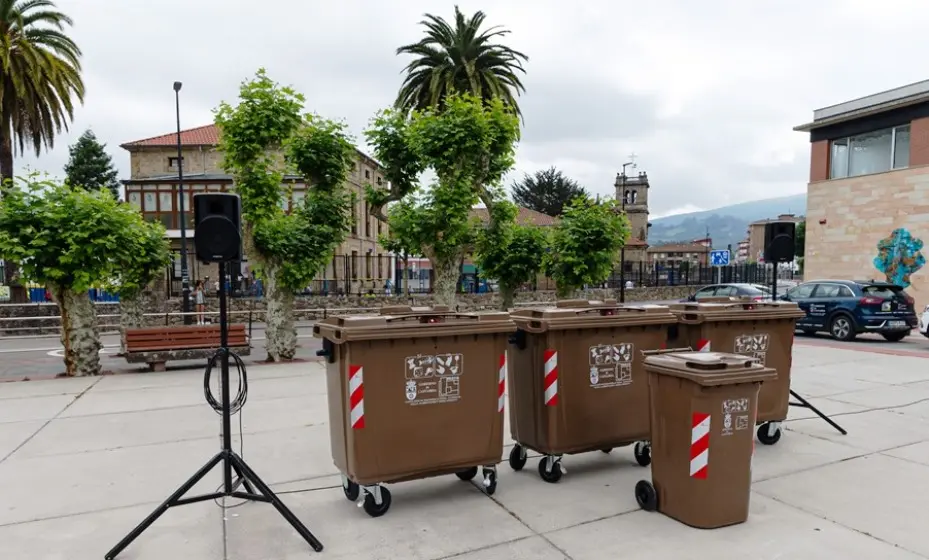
(806,404)
(244,481)
(159,511)
(277,503)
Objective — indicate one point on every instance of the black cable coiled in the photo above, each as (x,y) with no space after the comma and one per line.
(241,395)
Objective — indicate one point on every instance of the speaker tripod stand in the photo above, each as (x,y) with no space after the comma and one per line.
(230,461)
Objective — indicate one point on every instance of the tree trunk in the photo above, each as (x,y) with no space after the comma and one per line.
(507,295)
(79,334)
(6,150)
(280,334)
(131,316)
(446,280)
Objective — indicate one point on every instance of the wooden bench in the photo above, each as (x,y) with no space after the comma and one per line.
(156,346)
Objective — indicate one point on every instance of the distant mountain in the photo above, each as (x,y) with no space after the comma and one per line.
(727,225)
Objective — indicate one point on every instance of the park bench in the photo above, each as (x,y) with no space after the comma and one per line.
(158,345)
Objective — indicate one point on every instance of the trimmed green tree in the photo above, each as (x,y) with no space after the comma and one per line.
(546,191)
(510,253)
(133,282)
(800,244)
(263,137)
(71,240)
(585,244)
(469,145)
(90,167)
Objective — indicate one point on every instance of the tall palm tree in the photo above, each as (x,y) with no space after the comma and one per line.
(462,58)
(40,73)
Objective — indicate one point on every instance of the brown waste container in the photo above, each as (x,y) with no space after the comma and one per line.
(576,379)
(703,407)
(763,330)
(414,393)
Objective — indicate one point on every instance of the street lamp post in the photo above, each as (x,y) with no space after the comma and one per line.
(185,276)
(622,251)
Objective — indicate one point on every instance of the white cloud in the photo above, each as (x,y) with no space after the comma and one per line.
(706,93)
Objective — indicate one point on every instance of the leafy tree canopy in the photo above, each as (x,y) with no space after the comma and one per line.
(90,167)
(800,239)
(585,244)
(547,191)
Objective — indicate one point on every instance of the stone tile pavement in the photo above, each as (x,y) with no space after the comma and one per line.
(83,460)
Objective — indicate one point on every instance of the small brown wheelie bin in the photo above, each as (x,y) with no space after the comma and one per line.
(414,393)
(703,407)
(576,379)
(763,330)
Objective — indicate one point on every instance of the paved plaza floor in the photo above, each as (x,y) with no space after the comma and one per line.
(83,460)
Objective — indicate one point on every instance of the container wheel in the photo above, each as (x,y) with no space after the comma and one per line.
(768,438)
(372,508)
(555,474)
(646,496)
(467,474)
(608,450)
(351,491)
(643,453)
(517,458)
(490,481)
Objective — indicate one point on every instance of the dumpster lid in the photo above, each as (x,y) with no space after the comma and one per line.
(411,322)
(710,368)
(736,310)
(573,314)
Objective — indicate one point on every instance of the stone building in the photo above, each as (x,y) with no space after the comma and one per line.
(153,189)
(632,194)
(868,196)
(674,254)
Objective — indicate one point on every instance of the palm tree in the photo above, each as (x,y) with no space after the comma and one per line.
(40,72)
(462,58)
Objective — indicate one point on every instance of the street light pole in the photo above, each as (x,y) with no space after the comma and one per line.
(622,251)
(185,276)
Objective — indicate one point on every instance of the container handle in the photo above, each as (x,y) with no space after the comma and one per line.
(432,317)
(661,351)
(609,310)
(718,366)
(691,318)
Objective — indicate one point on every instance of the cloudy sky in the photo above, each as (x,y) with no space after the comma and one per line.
(704,93)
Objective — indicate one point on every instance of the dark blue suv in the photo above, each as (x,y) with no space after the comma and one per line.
(847,308)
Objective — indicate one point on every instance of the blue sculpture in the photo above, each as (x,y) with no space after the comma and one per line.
(899,256)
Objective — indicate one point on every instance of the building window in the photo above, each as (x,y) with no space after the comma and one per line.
(871,152)
(354,265)
(380,181)
(367,220)
(380,266)
(368,258)
(367,174)
(354,219)
(172,162)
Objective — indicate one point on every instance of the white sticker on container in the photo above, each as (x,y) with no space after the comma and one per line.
(741,422)
(754,345)
(611,365)
(433,379)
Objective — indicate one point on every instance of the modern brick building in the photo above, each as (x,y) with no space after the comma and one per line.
(153,189)
(868,196)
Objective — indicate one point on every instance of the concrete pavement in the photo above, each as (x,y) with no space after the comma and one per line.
(83,460)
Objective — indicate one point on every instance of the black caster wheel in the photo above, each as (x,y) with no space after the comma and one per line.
(643,453)
(467,474)
(371,507)
(767,438)
(517,458)
(490,482)
(351,491)
(552,476)
(646,496)
(608,450)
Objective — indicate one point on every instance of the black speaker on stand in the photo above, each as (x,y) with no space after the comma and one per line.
(218,239)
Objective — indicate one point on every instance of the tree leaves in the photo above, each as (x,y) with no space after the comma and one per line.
(547,191)
(509,252)
(586,244)
(90,167)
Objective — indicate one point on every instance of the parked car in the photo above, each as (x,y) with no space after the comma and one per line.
(924,322)
(847,308)
(756,292)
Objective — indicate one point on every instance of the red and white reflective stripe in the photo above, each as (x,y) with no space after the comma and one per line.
(550,383)
(699,445)
(703,345)
(501,383)
(356,397)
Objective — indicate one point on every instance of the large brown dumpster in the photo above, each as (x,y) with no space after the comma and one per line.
(414,393)
(576,379)
(703,407)
(763,330)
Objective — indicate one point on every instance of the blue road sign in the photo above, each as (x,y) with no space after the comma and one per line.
(719,258)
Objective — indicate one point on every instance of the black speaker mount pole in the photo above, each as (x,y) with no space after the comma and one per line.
(231,462)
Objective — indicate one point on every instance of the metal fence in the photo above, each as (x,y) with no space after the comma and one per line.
(389,275)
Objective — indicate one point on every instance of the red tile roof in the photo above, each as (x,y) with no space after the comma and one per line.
(201,136)
(525,217)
